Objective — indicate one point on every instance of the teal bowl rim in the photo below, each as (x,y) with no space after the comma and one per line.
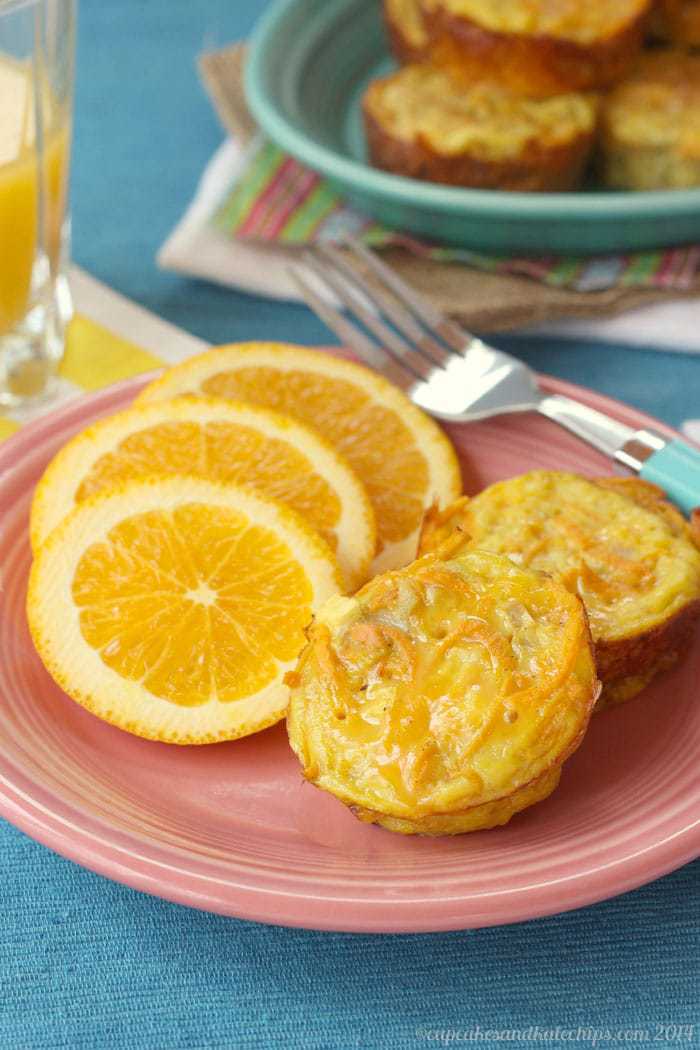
(450,199)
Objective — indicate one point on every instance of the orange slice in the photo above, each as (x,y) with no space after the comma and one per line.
(173,607)
(404,459)
(274,455)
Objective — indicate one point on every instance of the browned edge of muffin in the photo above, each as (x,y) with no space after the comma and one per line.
(538,169)
(537,65)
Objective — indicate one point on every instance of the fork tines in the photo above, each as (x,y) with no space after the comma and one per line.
(399,332)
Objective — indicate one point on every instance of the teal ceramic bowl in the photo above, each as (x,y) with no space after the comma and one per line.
(309,63)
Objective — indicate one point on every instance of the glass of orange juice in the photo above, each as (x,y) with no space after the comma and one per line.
(36,94)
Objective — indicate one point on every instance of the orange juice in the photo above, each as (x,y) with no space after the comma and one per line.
(20,171)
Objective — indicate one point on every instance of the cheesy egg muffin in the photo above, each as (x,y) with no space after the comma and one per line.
(537,47)
(650,125)
(617,543)
(445,696)
(421,123)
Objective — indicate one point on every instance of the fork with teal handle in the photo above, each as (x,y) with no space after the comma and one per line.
(457,377)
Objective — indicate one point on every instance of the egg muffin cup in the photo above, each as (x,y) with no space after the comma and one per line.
(650,125)
(539,49)
(444,697)
(422,124)
(617,543)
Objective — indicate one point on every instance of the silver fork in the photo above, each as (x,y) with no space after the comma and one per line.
(457,377)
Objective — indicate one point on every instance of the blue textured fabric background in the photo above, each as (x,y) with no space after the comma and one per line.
(88,963)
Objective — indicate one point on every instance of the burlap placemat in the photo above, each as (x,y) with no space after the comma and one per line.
(479,300)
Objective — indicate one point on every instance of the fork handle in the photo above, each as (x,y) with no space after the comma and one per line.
(673,465)
(594,427)
(676,469)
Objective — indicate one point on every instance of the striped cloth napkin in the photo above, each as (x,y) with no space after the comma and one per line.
(276,200)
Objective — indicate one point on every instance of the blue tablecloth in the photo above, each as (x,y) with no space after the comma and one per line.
(87,963)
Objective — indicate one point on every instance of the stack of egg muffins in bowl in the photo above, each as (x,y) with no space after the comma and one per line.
(540,95)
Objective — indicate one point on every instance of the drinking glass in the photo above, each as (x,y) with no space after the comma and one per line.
(36,95)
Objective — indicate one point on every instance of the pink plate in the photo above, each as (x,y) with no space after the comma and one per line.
(233,829)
